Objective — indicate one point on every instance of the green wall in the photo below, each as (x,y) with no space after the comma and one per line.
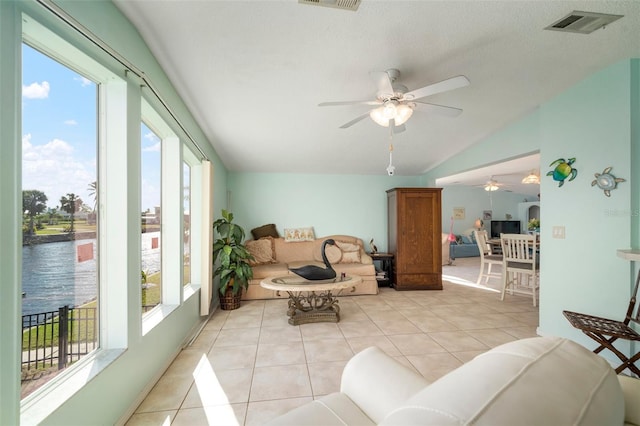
(333,204)
(591,122)
(597,121)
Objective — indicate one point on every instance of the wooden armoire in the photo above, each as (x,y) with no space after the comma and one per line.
(415,237)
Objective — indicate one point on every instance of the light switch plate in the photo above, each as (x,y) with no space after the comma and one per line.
(558,232)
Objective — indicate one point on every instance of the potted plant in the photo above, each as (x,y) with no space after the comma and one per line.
(534,225)
(234,269)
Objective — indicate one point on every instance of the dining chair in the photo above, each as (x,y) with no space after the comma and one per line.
(487,257)
(605,331)
(520,265)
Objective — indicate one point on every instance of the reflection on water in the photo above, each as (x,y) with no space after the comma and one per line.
(52,276)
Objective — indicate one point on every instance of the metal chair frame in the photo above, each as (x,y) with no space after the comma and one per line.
(605,331)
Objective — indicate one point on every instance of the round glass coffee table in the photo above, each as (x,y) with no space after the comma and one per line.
(312,301)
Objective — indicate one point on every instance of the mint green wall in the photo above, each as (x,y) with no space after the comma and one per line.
(109,395)
(591,122)
(332,204)
(598,122)
(517,140)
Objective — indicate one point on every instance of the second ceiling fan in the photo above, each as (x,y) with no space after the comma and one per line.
(395,104)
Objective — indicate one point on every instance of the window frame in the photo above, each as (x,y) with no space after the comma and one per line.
(121,95)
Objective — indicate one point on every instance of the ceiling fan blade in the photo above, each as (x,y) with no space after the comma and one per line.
(354,121)
(350,103)
(443,86)
(383,83)
(437,109)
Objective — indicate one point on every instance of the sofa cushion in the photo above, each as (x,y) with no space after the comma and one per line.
(334,254)
(541,381)
(464,239)
(350,252)
(299,234)
(269,270)
(261,250)
(353,269)
(265,231)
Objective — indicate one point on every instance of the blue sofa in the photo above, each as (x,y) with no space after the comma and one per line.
(465,246)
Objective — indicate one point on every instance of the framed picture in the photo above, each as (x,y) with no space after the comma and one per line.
(486,215)
(458,213)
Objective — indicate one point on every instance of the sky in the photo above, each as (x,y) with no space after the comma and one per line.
(59,134)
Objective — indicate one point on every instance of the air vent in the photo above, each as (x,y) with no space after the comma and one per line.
(583,22)
(337,4)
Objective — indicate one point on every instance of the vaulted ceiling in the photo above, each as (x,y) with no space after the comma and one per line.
(253,73)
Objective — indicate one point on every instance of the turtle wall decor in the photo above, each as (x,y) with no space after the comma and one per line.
(606,181)
(563,170)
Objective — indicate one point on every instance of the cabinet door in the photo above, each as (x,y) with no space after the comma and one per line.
(419,244)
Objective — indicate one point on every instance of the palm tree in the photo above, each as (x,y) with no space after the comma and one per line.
(33,203)
(53,215)
(93,191)
(68,204)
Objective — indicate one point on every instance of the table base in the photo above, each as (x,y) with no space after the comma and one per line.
(312,307)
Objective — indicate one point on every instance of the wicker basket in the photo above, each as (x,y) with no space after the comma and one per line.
(230,301)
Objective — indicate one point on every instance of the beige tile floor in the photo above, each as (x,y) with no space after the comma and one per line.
(249,365)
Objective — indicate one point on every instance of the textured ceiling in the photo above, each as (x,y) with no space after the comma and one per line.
(253,72)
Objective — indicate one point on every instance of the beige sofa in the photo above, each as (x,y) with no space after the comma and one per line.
(536,381)
(349,257)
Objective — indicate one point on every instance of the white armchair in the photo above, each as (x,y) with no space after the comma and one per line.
(530,381)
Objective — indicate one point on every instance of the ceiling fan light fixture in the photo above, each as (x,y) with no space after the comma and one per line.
(390,111)
(532,178)
(378,115)
(403,113)
(491,187)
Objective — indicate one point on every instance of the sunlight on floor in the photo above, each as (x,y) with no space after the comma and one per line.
(460,281)
(215,403)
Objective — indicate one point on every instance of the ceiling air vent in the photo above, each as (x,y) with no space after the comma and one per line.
(337,4)
(583,22)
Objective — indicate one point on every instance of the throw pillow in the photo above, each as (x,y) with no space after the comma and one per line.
(334,254)
(466,240)
(298,234)
(350,252)
(261,251)
(265,231)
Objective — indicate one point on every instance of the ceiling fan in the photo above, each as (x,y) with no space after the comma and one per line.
(395,104)
(492,185)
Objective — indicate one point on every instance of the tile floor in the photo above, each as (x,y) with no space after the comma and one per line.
(248,365)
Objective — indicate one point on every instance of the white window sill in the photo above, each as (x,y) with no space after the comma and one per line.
(190,289)
(35,408)
(155,317)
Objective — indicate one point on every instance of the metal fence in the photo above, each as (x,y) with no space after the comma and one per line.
(58,338)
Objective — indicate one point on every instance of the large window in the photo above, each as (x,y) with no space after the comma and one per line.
(111,216)
(151,217)
(186,220)
(59,189)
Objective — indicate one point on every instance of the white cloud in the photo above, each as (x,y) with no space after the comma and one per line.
(83,81)
(71,122)
(152,148)
(53,169)
(36,90)
(150,136)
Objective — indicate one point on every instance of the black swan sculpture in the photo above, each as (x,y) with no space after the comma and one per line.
(313,272)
